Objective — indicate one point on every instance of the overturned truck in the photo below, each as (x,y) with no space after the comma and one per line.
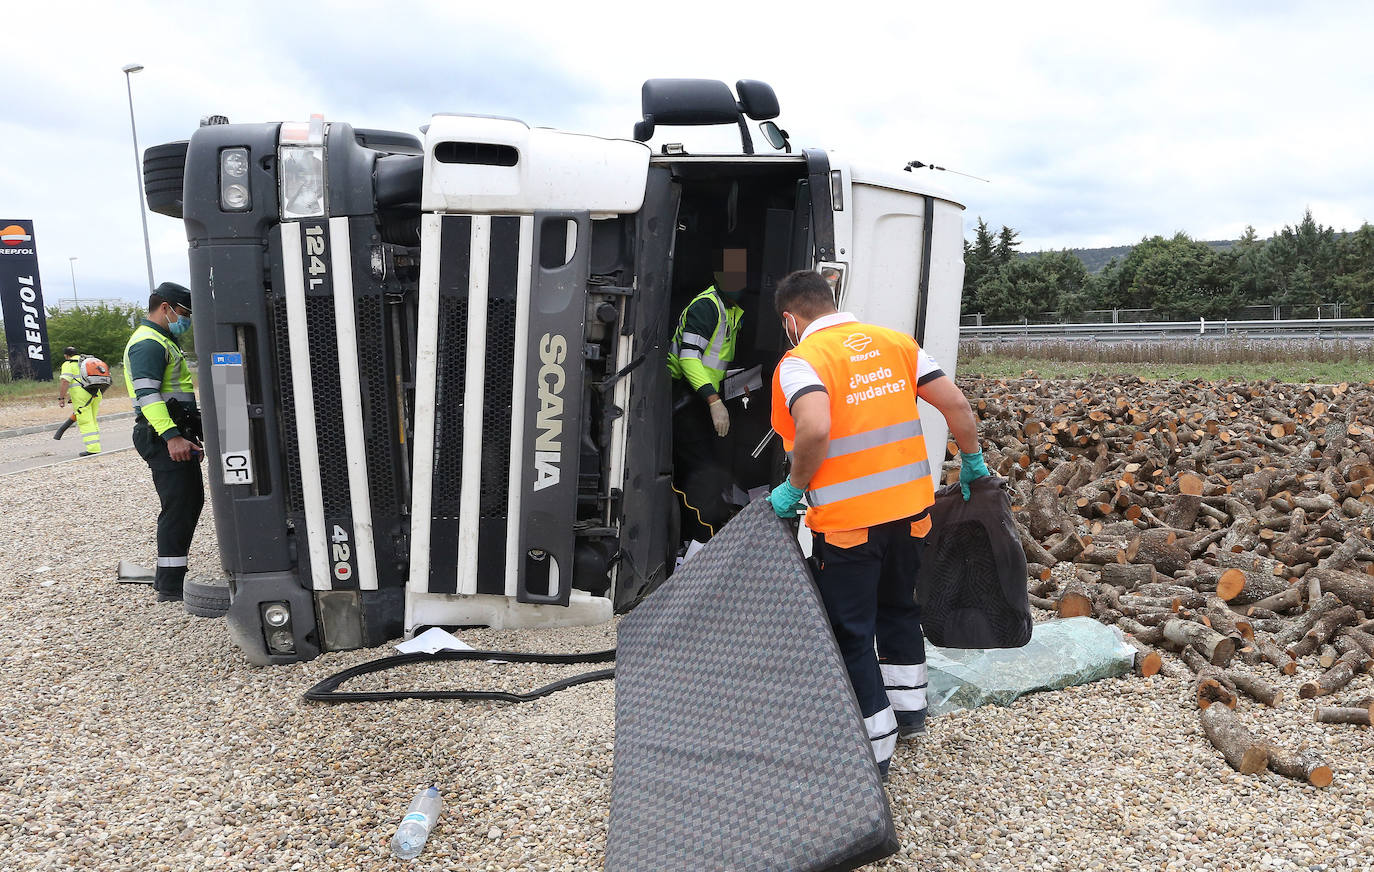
(433,370)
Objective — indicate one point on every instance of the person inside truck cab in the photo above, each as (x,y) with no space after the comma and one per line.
(702,349)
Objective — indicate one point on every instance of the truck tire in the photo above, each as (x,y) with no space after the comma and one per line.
(205,597)
(164,171)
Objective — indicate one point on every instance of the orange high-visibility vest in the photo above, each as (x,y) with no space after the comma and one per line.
(876,469)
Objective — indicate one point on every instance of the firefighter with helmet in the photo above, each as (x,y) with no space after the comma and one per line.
(702,350)
(83,380)
(844,402)
(167,428)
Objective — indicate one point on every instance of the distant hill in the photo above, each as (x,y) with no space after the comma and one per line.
(1096,259)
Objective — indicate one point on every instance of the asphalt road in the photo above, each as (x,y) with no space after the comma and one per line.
(40,449)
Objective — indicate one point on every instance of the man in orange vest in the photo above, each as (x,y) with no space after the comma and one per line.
(844,402)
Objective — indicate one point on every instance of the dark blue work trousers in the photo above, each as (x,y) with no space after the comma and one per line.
(868,589)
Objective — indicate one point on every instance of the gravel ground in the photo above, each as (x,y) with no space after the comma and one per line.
(32,412)
(136,738)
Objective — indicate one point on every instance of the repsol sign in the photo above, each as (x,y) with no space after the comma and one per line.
(548,420)
(21,297)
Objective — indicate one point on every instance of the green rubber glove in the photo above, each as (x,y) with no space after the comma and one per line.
(971,468)
(785,499)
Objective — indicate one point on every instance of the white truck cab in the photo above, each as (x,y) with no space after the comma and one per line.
(434,371)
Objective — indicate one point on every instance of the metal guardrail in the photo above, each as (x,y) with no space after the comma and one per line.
(1295,328)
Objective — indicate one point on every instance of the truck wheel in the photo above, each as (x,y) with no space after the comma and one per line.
(164,170)
(205,597)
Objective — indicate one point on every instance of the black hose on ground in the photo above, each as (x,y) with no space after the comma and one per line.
(327,690)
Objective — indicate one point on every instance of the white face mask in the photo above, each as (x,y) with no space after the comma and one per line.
(794,336)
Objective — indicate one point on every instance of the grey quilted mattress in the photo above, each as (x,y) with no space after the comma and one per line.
(738,740)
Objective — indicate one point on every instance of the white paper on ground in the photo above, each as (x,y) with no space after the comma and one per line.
(692,548)
(431,640)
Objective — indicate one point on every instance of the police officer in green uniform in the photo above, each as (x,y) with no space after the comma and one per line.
(702,350)
(167,428)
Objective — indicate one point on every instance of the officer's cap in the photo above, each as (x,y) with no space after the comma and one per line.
(174,294)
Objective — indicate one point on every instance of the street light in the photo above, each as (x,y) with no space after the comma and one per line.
(130,69)
(71,262)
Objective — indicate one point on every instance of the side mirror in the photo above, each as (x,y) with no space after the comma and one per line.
(757,99)
(644,130)
(776,138)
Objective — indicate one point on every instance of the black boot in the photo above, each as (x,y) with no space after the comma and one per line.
(66,425)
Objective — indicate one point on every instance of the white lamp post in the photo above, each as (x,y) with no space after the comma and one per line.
(71,262)
(130,69)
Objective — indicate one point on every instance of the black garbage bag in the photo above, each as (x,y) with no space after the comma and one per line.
(972,586)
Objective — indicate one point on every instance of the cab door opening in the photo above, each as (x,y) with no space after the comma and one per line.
(762,206)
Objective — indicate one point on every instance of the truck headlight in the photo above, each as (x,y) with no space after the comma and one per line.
(302,182)
(281,642)
(276,614)
(234,162)
(300,168)
(233,180)
(236,198)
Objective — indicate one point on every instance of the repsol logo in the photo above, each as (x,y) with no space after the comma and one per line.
(548,444)
(33,334)
(16,251)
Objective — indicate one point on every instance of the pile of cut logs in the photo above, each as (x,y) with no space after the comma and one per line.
(1218,521)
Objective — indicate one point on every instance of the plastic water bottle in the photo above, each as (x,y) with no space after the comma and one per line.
(410,836)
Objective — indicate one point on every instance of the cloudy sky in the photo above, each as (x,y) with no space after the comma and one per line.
(1096,124)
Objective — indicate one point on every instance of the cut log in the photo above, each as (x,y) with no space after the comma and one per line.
(1184,511)
(1211,684)
(1352,589)
(1192,601)
(1287,600)
(1301,766)
(1198,546)
(1327,656)
(1250,562)
(1218,648)
(1163,550)
(1144,634)
(1075,600)
(1128,576)
(1362,640)
(1226,733)
(1337,715)
(1322,631)
(1035,552)
(1343,558)
(1240,587)
(1315,611)
(1224,621)
(1256,688)
(1338,676)
(1276,656)
(1147,659)
(1042,511)
(1042,584)
(1069,547)
(1208,689)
